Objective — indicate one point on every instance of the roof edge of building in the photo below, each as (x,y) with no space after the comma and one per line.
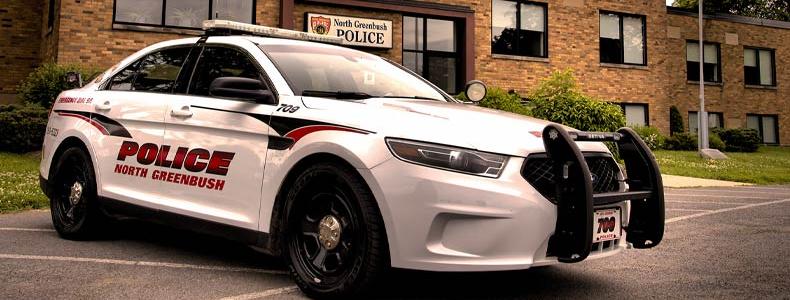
(730,18)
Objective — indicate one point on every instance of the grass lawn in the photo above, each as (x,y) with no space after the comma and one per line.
(19,182)
(769,165)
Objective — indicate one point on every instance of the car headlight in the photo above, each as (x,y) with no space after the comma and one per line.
(448,158)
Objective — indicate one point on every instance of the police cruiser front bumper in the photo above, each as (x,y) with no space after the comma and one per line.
(442,221)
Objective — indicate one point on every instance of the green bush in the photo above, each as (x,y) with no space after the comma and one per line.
(739,139)
(558,99)
(715,142)
(675,121)
(682,141)
(652,137)
(22,127)
(498,98)
(47,81)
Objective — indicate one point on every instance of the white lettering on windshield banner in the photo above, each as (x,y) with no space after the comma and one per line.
(354,31)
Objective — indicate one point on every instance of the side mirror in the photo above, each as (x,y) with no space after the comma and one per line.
(74,79)
(475,90)
(241,88)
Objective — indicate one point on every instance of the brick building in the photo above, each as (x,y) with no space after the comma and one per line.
(638,53)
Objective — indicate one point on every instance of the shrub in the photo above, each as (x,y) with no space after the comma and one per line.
(652,137)
(675,121)
(22,127)
(47,81)
(739,139)
(498,98)
(715,142)
(558,99)
(682,141)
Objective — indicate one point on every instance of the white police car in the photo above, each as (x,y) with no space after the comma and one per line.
(342,162)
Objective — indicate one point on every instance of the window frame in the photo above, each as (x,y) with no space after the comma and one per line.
(426,54)
(760,127)
(757,57)
(51,11)
(646,106)
(620,16)
(718,113)
(194,64)
(106,86)
(163,18)
(518,27)
(702,61)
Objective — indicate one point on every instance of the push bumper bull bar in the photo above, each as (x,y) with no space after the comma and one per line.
(572,239)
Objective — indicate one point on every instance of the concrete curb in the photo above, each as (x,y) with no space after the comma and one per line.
(674,181)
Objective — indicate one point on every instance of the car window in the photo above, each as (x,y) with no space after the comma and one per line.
(329,69)
(158,71)
(123,80)
(215,62)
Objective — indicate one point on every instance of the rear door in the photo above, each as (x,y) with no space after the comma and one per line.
(131,109)
(220,143)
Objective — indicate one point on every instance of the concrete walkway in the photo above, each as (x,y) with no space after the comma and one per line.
(674,181)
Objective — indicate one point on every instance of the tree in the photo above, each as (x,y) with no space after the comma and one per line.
(766,9)
(675,121)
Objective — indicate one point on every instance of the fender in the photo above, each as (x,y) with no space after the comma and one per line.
(81,131)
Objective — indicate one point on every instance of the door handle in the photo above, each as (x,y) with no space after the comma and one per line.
(103,106)
(183,112)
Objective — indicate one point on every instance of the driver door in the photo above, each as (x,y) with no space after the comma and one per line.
(222,143)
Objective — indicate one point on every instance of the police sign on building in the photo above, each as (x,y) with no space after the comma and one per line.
(356,31)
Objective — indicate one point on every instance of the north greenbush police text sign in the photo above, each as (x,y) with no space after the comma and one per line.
(356,31)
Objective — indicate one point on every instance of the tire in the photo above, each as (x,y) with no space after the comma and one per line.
(73,203)
(334,235)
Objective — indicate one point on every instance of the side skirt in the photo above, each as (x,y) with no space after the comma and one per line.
(120,210)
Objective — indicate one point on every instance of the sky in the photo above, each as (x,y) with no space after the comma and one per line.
(669,2)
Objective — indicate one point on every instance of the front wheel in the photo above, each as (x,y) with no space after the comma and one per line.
(335,237)
(75,214)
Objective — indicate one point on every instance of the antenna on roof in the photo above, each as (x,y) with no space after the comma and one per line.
(225,27)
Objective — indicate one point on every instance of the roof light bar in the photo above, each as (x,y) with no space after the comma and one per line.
(258,30)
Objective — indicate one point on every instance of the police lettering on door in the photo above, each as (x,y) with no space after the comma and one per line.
(355,31)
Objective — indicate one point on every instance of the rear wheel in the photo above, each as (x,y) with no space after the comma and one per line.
(335,237)
(75,214)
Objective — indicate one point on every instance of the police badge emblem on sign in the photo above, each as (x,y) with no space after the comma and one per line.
(320,25)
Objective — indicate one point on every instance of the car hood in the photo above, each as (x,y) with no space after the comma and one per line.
(456,124)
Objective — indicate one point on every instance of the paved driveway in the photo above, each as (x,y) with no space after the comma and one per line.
(719,243)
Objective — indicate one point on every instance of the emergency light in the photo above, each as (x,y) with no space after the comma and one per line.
(258,30)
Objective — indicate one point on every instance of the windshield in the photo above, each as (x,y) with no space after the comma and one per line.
(314,70)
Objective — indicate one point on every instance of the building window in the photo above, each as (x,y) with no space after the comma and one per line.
(710,60)
(635,114)
(51,15)
(519,28)
(182,13)
(430,49)
(622,39)
(715,120)
(759,67)
(766,125)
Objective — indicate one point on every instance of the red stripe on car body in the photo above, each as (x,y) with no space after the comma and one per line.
(300,132)
(86,119)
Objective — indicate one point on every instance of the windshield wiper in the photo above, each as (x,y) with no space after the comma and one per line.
(411,97)
(336,95)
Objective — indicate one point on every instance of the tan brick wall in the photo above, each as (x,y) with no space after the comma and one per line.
(573,30)
(20,36)
(732,97)
(87,35)
(84,34)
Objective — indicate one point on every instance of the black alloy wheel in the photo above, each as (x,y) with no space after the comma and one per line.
(335,239)
(72,203)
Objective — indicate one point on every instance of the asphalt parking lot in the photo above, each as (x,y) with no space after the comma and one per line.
(719,243)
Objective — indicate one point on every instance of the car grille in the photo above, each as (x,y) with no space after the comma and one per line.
(604,246)
(538,171)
